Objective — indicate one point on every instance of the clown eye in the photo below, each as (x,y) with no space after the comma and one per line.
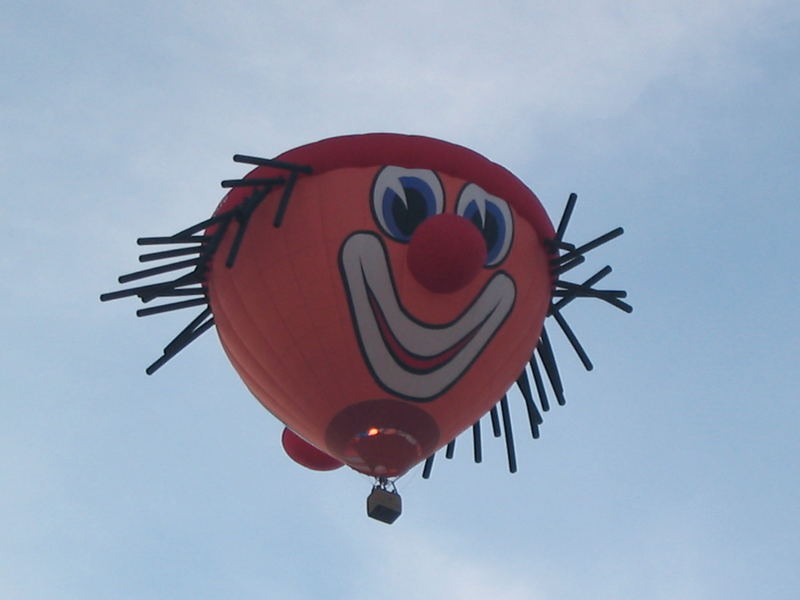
(404,198)
(491,216)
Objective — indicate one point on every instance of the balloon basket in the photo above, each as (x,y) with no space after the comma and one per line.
(384,504)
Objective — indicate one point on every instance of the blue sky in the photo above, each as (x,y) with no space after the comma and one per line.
(671,473)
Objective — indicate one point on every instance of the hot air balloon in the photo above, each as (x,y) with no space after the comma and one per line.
(378,294)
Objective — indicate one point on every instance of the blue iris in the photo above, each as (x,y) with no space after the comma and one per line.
(402,218)
(492,225)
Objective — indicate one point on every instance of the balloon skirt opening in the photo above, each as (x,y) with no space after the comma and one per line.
(384,438)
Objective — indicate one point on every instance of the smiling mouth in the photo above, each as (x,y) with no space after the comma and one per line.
(415,360)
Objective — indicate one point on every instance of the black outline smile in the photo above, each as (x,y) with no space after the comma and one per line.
(391,339)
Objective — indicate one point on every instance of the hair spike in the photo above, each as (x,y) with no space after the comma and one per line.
(204,246)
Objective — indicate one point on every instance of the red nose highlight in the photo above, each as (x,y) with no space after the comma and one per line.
(446,252)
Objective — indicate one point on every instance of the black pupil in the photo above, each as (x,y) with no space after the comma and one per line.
(489,229)
(409,215)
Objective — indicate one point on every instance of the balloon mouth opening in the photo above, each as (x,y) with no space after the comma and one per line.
(367,451)
(384,438)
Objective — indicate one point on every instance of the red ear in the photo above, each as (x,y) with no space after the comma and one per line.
(303,453)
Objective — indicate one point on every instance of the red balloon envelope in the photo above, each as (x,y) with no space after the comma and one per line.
(378,294)
(401,296)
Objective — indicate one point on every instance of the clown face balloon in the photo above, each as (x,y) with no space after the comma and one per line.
(377,293)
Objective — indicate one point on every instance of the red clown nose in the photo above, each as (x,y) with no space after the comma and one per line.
(446,253)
